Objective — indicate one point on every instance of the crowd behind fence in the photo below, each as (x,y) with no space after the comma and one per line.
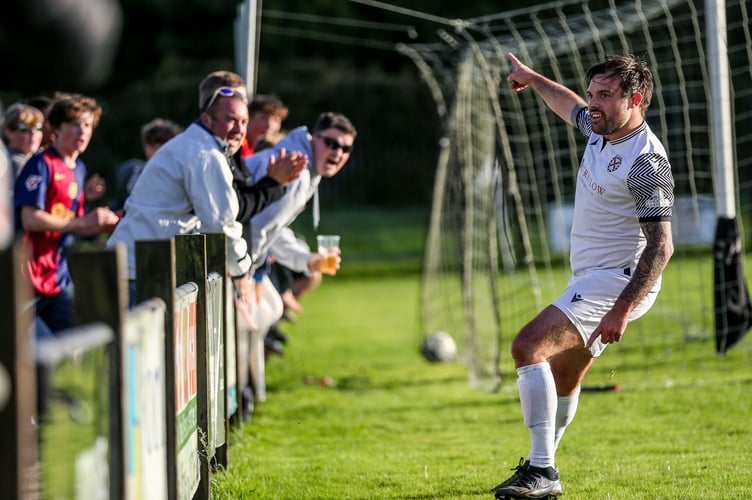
(135,403)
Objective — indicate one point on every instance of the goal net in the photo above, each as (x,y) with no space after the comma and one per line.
(497,249)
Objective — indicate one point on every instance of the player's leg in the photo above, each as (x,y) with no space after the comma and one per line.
(569,369)
(546,335)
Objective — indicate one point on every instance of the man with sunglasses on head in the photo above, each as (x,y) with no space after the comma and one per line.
(187,186)
(252,197)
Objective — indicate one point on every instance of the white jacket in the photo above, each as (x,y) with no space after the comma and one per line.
(186,187)
(269,228)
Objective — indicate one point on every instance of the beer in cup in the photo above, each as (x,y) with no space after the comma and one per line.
(328,247)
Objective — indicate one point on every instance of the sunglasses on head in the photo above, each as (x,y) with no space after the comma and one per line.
(332,143)
(24,127)
(224,92)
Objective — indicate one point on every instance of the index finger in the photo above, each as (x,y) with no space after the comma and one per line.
(592,338)
(515,62)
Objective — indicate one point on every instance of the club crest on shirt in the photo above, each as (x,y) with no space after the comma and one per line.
(73,189)
(615,163)
(60,210)
(32,182)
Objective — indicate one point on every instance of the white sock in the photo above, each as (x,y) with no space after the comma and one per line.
(565,412)
(538,400)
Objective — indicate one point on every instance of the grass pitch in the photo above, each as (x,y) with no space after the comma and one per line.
(393,426)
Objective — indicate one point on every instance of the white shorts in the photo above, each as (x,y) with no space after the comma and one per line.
(589,296)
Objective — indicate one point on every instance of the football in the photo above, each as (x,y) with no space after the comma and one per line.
(439,347)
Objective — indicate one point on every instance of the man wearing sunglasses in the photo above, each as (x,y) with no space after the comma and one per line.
(328,147)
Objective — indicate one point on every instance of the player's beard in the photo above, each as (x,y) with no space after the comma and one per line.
(607,125)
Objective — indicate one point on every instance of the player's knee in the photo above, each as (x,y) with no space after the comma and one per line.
(522,350)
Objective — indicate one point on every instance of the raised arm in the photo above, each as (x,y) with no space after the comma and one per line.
(562,101)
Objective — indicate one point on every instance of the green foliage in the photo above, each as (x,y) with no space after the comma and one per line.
(394,426)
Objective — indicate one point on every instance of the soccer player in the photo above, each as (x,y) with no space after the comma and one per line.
(620,245)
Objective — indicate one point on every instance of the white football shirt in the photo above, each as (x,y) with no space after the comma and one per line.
(620,184)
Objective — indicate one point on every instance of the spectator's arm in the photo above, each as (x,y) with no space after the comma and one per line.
(98,220)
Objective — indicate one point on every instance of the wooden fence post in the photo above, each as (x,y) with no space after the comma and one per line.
(216,261)
(18,438)
(101,295)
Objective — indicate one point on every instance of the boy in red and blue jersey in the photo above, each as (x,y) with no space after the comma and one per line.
(49,207)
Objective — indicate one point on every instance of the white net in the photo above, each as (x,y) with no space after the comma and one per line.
(497,250)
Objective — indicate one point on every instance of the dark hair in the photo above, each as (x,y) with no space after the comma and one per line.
(634,73)
(334,120)
(269,104)
(41,102)
(69,107)
(158,131)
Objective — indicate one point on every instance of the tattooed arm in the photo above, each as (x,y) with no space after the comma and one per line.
(652,262)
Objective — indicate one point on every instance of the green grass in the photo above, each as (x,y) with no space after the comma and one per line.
(396,427)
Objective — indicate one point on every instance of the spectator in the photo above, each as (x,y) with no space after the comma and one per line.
(6,190)
(266,114)
(43,103)
(253,197)
(328,148)
(187,186)
(290,284)
(154,134)
(22,132)
(49,207)
(95,186)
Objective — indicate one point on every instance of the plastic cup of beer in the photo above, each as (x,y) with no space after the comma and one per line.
(329,248)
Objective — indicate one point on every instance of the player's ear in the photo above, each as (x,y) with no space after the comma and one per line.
(636,99)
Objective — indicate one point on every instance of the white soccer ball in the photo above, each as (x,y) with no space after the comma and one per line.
(439,347)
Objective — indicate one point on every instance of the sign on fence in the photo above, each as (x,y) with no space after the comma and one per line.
(216,362)
(186,391)
(144,401)
(74,432)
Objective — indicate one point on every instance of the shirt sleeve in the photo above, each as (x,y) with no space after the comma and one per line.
(291,251)
(581,118)
(652,185)
(31,184)
(253,198)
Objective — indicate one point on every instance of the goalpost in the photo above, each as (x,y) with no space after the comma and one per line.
(497,249)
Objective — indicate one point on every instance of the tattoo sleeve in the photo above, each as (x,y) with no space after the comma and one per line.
(653,261)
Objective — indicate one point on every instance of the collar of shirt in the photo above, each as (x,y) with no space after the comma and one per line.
(221,144)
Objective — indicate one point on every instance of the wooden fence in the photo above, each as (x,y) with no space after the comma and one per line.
(138,402)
